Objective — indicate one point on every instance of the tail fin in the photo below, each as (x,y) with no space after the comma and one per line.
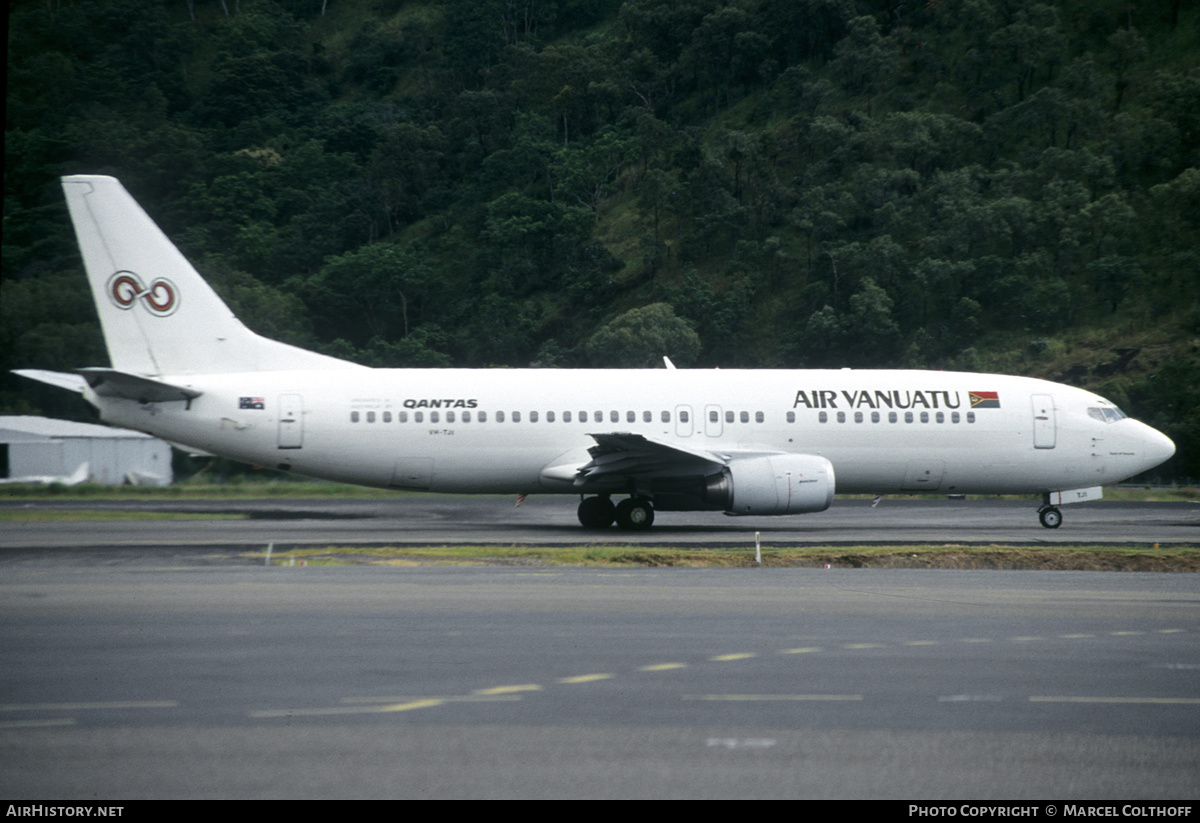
(159,316)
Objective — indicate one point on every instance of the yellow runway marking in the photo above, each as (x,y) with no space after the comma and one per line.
(725,658)
(374,705)
(662,667)
(803,650)
(524,687)
(863,646)
(584,678)
(335,710)
(37,724)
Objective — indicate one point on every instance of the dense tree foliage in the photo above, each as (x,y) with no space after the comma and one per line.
(1004,184)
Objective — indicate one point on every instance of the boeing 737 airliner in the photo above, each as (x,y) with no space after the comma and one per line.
(742,442)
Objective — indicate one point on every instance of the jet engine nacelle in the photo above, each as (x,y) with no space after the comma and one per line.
(774,484)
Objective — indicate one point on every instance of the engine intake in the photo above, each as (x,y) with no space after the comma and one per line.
(773,484)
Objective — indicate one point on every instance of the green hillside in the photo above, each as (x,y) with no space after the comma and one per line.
(997,185)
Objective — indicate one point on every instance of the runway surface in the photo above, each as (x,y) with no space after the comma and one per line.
(440,519)
(140,672)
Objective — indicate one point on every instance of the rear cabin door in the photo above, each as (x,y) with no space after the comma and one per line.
(291,421)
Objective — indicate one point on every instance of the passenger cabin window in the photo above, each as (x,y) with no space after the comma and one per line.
(353,417)
(419,417)
(499,417)
(402,416)
(630,417)
(435,417)
(533,417)
(387,417)
(666,417)
(516,417)
(791,417)
(759,417)
(370,417)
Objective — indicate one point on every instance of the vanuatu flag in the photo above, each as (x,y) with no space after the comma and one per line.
(985,400)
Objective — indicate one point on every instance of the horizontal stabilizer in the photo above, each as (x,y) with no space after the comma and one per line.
(70,382)
(113,383)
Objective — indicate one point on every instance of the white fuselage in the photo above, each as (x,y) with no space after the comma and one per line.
(525,431)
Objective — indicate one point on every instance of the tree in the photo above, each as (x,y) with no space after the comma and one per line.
(640,338)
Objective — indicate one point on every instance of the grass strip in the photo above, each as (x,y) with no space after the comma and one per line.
(1079,558)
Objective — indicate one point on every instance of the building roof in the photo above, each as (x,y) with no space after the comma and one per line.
(26,427)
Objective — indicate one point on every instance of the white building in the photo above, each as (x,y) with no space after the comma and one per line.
(43,450)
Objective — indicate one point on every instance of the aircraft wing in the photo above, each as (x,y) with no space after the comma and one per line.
(635,455)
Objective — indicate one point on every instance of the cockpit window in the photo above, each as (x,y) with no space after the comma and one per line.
(1106,414)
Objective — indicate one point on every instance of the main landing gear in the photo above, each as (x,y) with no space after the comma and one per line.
(1051,517)
(632,514)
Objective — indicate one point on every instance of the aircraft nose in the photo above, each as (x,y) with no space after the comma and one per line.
(1157,446)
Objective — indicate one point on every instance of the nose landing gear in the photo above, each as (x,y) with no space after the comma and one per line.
(1050,517)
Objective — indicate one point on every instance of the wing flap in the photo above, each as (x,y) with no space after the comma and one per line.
(624,454)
